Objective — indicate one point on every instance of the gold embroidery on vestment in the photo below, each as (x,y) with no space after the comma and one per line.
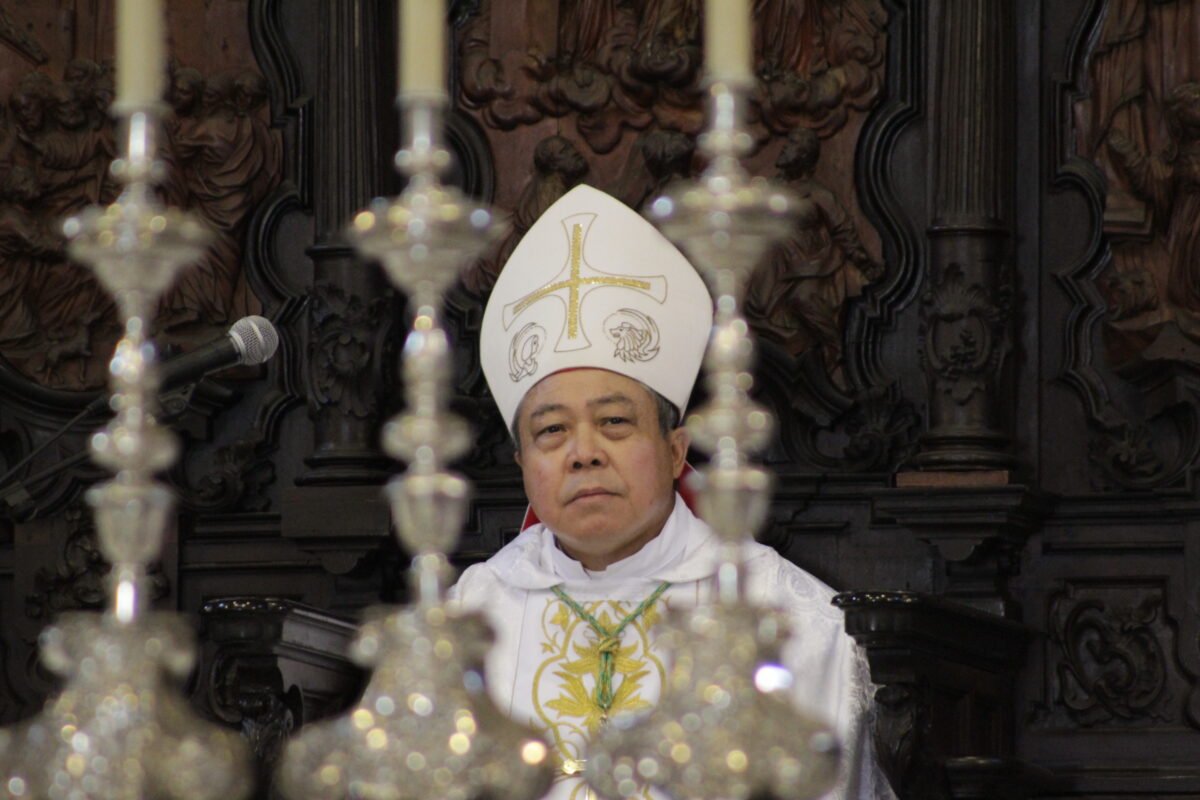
(571,716)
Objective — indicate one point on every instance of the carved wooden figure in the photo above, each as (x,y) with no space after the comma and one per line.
(224,161)
(797,298)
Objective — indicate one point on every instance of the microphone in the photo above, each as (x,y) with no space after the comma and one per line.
(251,340)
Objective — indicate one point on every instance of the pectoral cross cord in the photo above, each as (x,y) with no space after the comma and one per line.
(609,642)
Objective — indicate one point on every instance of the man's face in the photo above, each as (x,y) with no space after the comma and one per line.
(597,468)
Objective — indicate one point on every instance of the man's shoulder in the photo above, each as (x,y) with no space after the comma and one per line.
(522,552)
(472,578)
(478,588)
(775,581)
(500,570)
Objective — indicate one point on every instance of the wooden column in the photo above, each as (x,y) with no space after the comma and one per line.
(351,307)
(966,309)
(962,498)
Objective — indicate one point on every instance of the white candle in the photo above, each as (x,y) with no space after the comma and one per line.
(141,52)
(727,41)
(422,46)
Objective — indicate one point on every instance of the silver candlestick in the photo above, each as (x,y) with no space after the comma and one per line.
(120,730)
(725,727)
(425,726)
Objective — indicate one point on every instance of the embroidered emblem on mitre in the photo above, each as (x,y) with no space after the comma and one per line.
(593,284)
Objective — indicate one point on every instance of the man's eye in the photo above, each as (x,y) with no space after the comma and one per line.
(551,429)
(615,420)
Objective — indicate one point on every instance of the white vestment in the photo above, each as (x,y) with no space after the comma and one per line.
(542,669)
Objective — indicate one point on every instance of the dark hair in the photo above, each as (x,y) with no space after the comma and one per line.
(668,416)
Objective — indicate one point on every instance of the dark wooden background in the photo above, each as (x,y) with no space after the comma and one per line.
(981,342)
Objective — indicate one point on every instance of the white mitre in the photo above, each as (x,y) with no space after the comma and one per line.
(593,284)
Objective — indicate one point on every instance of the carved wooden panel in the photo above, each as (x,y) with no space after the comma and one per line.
(1110,655)
(1113,688)
(226,136)
(1136,124)
(267,667)
(611,94)
(56,141)
(1072,332)
(1130,142)
(932,674)
(224,153)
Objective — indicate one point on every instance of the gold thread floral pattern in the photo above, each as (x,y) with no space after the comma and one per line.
(564,684)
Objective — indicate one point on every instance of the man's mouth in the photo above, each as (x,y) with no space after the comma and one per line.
(586,493)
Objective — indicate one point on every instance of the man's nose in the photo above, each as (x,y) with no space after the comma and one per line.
(586,449)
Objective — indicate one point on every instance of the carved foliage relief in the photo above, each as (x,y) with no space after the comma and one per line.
(1112,658)
(57,325)
(344,341)
(964,333)
(79,579)
(610,93)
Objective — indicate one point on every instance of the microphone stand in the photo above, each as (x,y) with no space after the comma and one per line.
(22,496)
(14,492)
(179,377)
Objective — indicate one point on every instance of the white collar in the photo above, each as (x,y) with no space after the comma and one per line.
(658,555)
(684,551)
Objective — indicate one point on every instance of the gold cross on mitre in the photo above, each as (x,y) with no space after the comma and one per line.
(576,280)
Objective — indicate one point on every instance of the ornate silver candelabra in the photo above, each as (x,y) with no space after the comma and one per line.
(119,730)
(725,727)
(425,726)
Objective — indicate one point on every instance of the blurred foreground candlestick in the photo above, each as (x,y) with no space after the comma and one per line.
(425,726)
(141,53)
(724,728)
(121,728)
(422,47)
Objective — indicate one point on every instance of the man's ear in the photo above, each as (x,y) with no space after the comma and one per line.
(517,458)
(679,442)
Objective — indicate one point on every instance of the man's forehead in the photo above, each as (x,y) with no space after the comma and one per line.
(582,388)
(603,401)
